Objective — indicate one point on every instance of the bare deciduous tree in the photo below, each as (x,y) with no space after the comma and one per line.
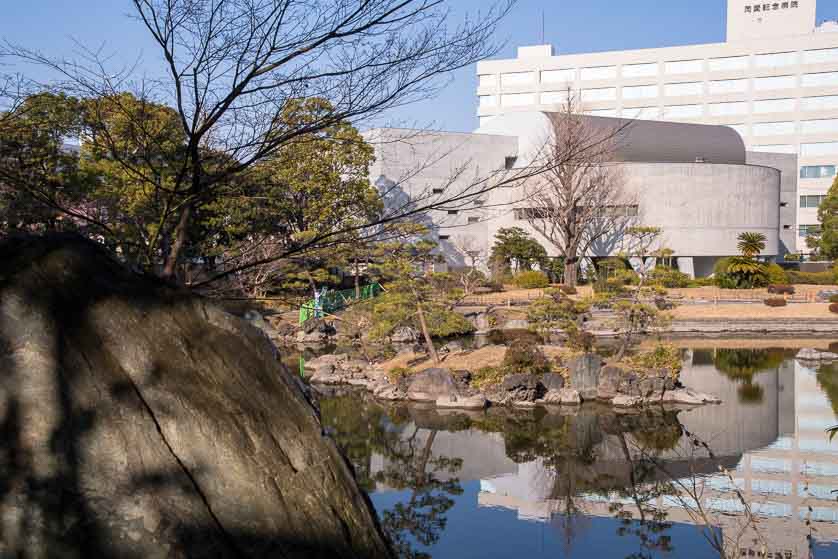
(579,200)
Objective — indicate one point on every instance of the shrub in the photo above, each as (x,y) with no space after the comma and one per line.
(782,289)
(776,275)
(811,278)
(775,302)
(663,356)
(833,298)
(702,282)
(486,377)
(833,308)
(525,357)
(669,278)
(531,280)
(397,373)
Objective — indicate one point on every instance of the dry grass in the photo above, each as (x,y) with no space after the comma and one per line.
(746,343)
(487,356)
(802,292)
(751,311)
(513,295)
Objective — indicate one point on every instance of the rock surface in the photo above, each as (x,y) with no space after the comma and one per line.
(140,421)
(814,355)
(584,375)
(430,385)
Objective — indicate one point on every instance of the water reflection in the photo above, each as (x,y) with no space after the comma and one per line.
(748,476)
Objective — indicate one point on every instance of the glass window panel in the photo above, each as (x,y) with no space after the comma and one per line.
(516,79)
(488,101)
(728,63)
(683,89)
(601,94)
(817,171)
(682,111)
(640,70)
(823,126)
(773,128)
(819,103)
(775,59)
(599,73)
(776,148)
(728,86)
(554,97)
(820,148)
(819,79)
(642,113)
(724,109)
(640,92)
(558,76)
(685,67)
(775,82)
(774,106)
(517,99)
(603,112)
(820,56)
(488,80)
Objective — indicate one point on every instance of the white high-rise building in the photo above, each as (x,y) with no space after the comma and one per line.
(775,81)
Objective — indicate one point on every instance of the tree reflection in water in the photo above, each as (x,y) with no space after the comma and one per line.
(743,365)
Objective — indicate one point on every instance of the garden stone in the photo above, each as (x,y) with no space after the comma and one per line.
(522,388)
(430,385)
(623,401)
(552,382)
(477,402)
(687,396)
(584,375)
(403,336)
(611,379)
(816,355)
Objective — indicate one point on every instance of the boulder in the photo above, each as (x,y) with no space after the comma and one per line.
(611,381)
(552,382)
(687,396)
(814,355)
(584,375)
(430,385)
(565,396)
(141,421)
(386,391)
(403,336)
(623,401)
(477,402)
(522,388)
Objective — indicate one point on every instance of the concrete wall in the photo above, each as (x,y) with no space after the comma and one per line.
(743,23)
(786,163)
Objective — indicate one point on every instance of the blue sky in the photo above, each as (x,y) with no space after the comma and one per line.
(570,25)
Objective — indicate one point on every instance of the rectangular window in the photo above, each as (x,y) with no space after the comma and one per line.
(728,86)
(599,73)
(820,79)
(640,92)
(488,80)
(438,190)
(603,112)
(819,103)
(554,98)
(820,56)
(806,230)
(444,237)
(820,148)
(774,106)
(775,59)
(473,219)
(773,128)
(811,201)
(640,70)
(685,67)
(775,148)
(453,212)
(775,82)
(601,94)
(517,99)
(817,171)
(823,126)
(683,89)
(516,79)
(642,113)
(682,111)
(728,63)
(488,101)
(725,109)
(558,76)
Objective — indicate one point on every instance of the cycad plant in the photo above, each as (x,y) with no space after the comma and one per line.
(751,244)
(745,270)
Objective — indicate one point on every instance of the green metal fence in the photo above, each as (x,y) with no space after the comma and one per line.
(334,301)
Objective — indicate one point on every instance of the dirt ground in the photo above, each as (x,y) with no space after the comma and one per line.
(487,356)
(752,311)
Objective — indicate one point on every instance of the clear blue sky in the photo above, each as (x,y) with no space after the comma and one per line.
(571,26)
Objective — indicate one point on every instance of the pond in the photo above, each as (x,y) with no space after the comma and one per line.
(753,475)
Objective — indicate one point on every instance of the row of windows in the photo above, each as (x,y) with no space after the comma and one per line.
(817,171)
(525,214)
(805,150)
(806,230)
(652,69)
(811,201)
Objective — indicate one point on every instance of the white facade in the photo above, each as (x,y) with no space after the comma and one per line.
(775,81)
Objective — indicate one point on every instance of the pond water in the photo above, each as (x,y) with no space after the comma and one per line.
(754,474)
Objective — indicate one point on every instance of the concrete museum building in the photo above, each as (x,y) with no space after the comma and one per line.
(724,138)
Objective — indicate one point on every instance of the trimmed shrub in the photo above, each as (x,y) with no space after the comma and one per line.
(775,302)
(811,278)
(833,298)
(776,275)
(525,357)
(782,290)
(833,308)
(531,280)
(669,278)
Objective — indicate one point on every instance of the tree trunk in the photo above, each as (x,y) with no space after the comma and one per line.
(357,282)
(428,341)
(170,267)
(570,269)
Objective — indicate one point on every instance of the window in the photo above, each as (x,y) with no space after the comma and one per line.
(773,128)
(517,99)
(683,89)
(820,148)
(473,220)
(558,76)
(516,79)
(728,86)
(453,212)
(775,82)
(774,106)
(775,59)
(438,190)
(823,126)
(820,56)
(728,63)
(488,101)
(599,73)
(805,230)
(509,162)
(488,80)
(603,112)
(685,67)
(817,171)
(819,103)
(725,109)
(775,148)
(601,94)
(554,97)
(642,113)
(682,111)
(640,92)
(444,237)
(811,201)
(523,214)
(640,70)
(819,79)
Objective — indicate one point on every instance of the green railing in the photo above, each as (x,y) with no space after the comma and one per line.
(334,301)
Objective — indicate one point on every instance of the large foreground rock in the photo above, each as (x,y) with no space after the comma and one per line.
(141,422)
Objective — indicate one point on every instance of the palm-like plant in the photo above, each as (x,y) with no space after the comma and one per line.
(751,244)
